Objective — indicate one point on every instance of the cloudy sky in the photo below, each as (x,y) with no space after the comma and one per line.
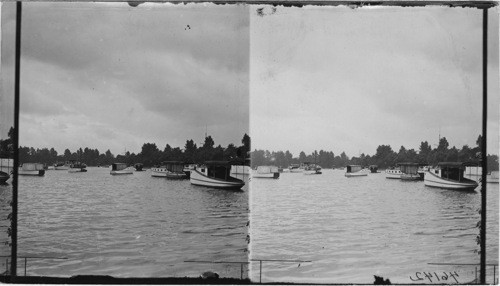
(344,79)
(110,76)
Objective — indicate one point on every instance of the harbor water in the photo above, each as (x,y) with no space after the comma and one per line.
(354,228)
(126,225)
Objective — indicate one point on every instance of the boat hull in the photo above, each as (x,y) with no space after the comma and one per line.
(61,168)
(266,175)
(356,174)
(410,177)
(77,170)
(164,173)
(38,173)
(199,179)
(432,180)
(391,174)
(122,172)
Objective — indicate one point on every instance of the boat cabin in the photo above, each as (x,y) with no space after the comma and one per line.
(353,168)
(32,167)
(373,168)
(118,166)
(174,166)
(451,171)
(217,169)
(409,168)
(267,169)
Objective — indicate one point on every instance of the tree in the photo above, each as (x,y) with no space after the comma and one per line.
(246,145)
(385,157)
(150,154)
(190,151)
(302,157)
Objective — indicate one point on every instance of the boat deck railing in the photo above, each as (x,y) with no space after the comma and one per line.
(25,258)
(477,265)
(248,262)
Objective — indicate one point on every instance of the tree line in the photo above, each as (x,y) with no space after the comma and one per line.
(150,154)
(384,157)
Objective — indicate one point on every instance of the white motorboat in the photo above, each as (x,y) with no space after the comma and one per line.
(269,172)
(170,170)
(77,167)
(355,171)
(312,169)
(61,166)
(31,169)
(409,172)
(393,173)
(449,175)
(492,177)
(296,168)
(215,174)
(121,169)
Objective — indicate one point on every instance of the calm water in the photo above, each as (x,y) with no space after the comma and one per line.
(354,228)
(126,226)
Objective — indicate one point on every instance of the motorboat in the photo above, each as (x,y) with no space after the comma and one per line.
(492,177)
(31,169)
(355,171)
(409,172)
(449,175)
(296,168)
(373,169)
(77,167)
(269,172)
(393,173)
(61,165)
(215,174)
(121,169)
(170,170)
(312,169)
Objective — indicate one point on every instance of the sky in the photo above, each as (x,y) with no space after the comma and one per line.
(110,76)
(342,79)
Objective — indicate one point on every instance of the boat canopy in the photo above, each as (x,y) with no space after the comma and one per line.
(222,163)
(353,168)
(118,166)
(451,164)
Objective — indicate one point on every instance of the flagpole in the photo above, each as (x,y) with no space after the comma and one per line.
(484,157)
(13,265)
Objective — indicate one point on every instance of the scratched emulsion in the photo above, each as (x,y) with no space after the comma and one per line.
(126,226)
(354,228)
